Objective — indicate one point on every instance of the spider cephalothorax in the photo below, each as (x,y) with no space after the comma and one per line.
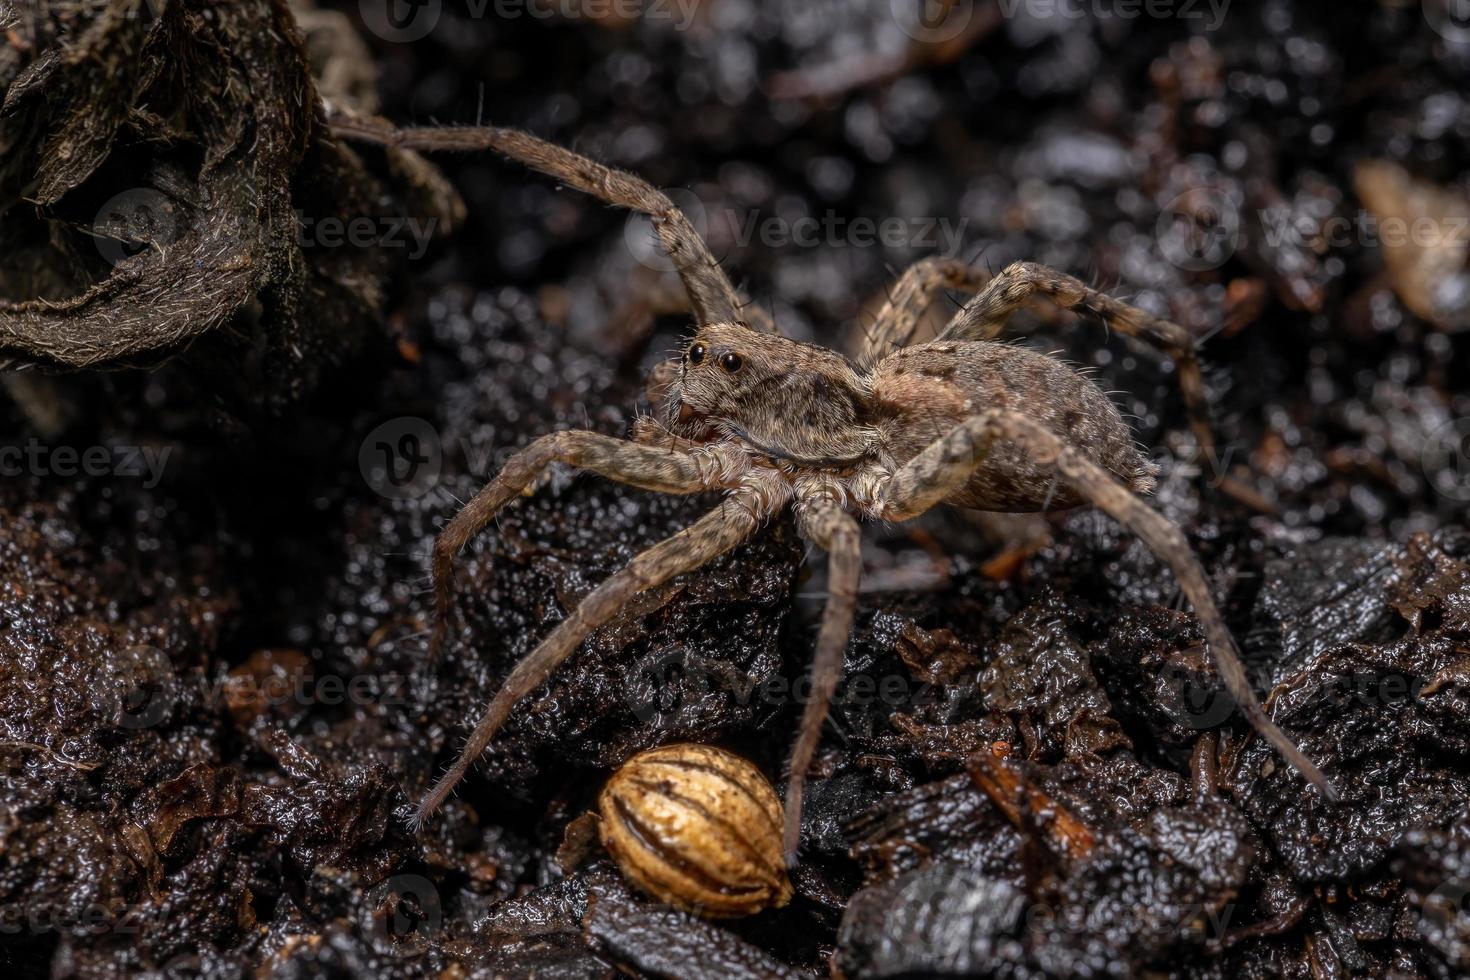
(773,423)
(811,407)
(796,402)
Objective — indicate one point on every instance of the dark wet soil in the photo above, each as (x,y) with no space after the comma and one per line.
(216,704)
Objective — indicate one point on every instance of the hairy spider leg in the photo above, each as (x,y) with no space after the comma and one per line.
(985,316)
(946,464)
(823,522)
(714,298)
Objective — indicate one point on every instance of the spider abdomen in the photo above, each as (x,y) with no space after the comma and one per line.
(920,393)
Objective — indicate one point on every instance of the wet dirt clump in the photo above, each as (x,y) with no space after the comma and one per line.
(170,190)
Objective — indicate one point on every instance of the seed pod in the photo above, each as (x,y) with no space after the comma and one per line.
(698,828)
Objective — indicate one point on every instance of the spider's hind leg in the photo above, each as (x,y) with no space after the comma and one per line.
(947,464)
(985,316)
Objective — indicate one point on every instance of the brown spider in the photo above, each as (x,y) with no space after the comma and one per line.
(771,422)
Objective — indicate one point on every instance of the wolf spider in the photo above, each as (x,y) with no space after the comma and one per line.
(771,422)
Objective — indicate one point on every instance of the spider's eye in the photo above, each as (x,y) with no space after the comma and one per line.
(731,361)
(696,354)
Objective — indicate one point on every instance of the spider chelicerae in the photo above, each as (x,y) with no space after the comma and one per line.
(773,423)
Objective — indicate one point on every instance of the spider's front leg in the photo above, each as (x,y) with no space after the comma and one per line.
(948,463)
(985,316)
(711,536)
(660,469)
(822,521)
(714,298)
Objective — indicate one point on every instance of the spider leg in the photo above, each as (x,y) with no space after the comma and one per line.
(631,323)
(826,524)
(910,298)
(985,316)
(947,463)
(714,299)
(708,538)
(648,467)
